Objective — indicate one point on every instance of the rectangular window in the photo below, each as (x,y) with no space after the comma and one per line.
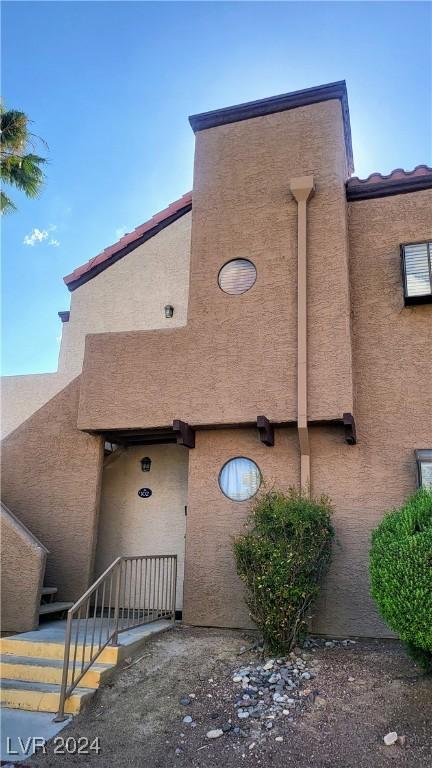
(424,467)
(417,272)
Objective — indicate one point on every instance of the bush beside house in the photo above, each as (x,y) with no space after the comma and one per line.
(281,559)
(401,574)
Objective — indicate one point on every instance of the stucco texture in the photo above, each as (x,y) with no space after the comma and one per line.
(236,358)
(213,594)
(130,525)
(392,355)
(132,293)
(23,395)
(20,588)
(51,480)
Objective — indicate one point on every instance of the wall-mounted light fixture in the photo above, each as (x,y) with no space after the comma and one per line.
(169,310)
(424,467)
(146,464)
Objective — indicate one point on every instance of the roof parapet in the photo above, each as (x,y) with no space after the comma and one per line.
(281,103)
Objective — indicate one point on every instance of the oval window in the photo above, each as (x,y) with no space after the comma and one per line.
(237,276)
(239,479)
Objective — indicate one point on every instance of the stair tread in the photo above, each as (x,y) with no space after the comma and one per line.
(54,607)
(29,685)
(49,590)
(11,658)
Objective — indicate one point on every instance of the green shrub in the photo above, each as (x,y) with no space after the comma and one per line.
(401,574)
(281,559)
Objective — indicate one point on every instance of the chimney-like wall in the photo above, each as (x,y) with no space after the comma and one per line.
(242,207)
(237,356)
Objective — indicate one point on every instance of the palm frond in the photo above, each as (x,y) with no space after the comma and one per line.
(6,204)
(14,131)
(24,173)
(20,166)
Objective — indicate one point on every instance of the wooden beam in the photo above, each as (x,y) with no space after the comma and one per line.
(184,433)
(266,431)
(140,436)
(350,428)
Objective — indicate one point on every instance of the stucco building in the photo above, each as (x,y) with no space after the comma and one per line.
(273,324)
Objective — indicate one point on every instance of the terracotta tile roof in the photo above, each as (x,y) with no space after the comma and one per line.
(129,241)
(394,183)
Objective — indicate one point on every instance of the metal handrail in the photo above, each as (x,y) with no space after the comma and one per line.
(133,591)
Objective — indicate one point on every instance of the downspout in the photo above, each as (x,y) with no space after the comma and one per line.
(302,188)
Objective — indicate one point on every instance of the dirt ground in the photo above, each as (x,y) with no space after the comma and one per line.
(138,718)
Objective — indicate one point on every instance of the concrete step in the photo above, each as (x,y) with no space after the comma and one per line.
(44,649)
(50,670)
(40,697)
(49,591)
(47,642)
(55,607)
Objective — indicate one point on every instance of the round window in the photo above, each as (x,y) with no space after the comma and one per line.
(239,479)
(237,276)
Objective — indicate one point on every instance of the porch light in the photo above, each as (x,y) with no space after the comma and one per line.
(169,310)
(424,467)
(146,464)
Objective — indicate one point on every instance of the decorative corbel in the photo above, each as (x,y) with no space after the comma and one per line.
(266,431)
(350,428)
(184,433)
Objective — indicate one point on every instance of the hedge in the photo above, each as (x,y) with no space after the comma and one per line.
(401,574)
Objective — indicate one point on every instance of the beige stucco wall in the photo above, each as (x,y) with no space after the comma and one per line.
(20,587)
(51,476)
(130,295)
(392,356)
(213,592)
(130,525)
(243,349)
(242,207)
(23,395)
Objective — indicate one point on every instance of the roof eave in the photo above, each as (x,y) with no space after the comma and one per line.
(386,188)
(74,283)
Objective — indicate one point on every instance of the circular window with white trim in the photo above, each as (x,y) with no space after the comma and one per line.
(239,479)
(237,276)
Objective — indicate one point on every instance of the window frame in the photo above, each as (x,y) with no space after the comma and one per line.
(237,258)
(427,297)
(233,458)
(423,456)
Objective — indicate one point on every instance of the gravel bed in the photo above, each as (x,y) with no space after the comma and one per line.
(200,698)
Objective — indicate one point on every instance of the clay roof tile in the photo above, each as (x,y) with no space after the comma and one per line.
(93,266)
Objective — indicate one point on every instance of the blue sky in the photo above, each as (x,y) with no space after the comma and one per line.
(109,85)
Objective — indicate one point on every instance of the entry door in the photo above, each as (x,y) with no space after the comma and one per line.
(143,513)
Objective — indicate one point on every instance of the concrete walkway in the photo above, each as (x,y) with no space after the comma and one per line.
(22,731)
